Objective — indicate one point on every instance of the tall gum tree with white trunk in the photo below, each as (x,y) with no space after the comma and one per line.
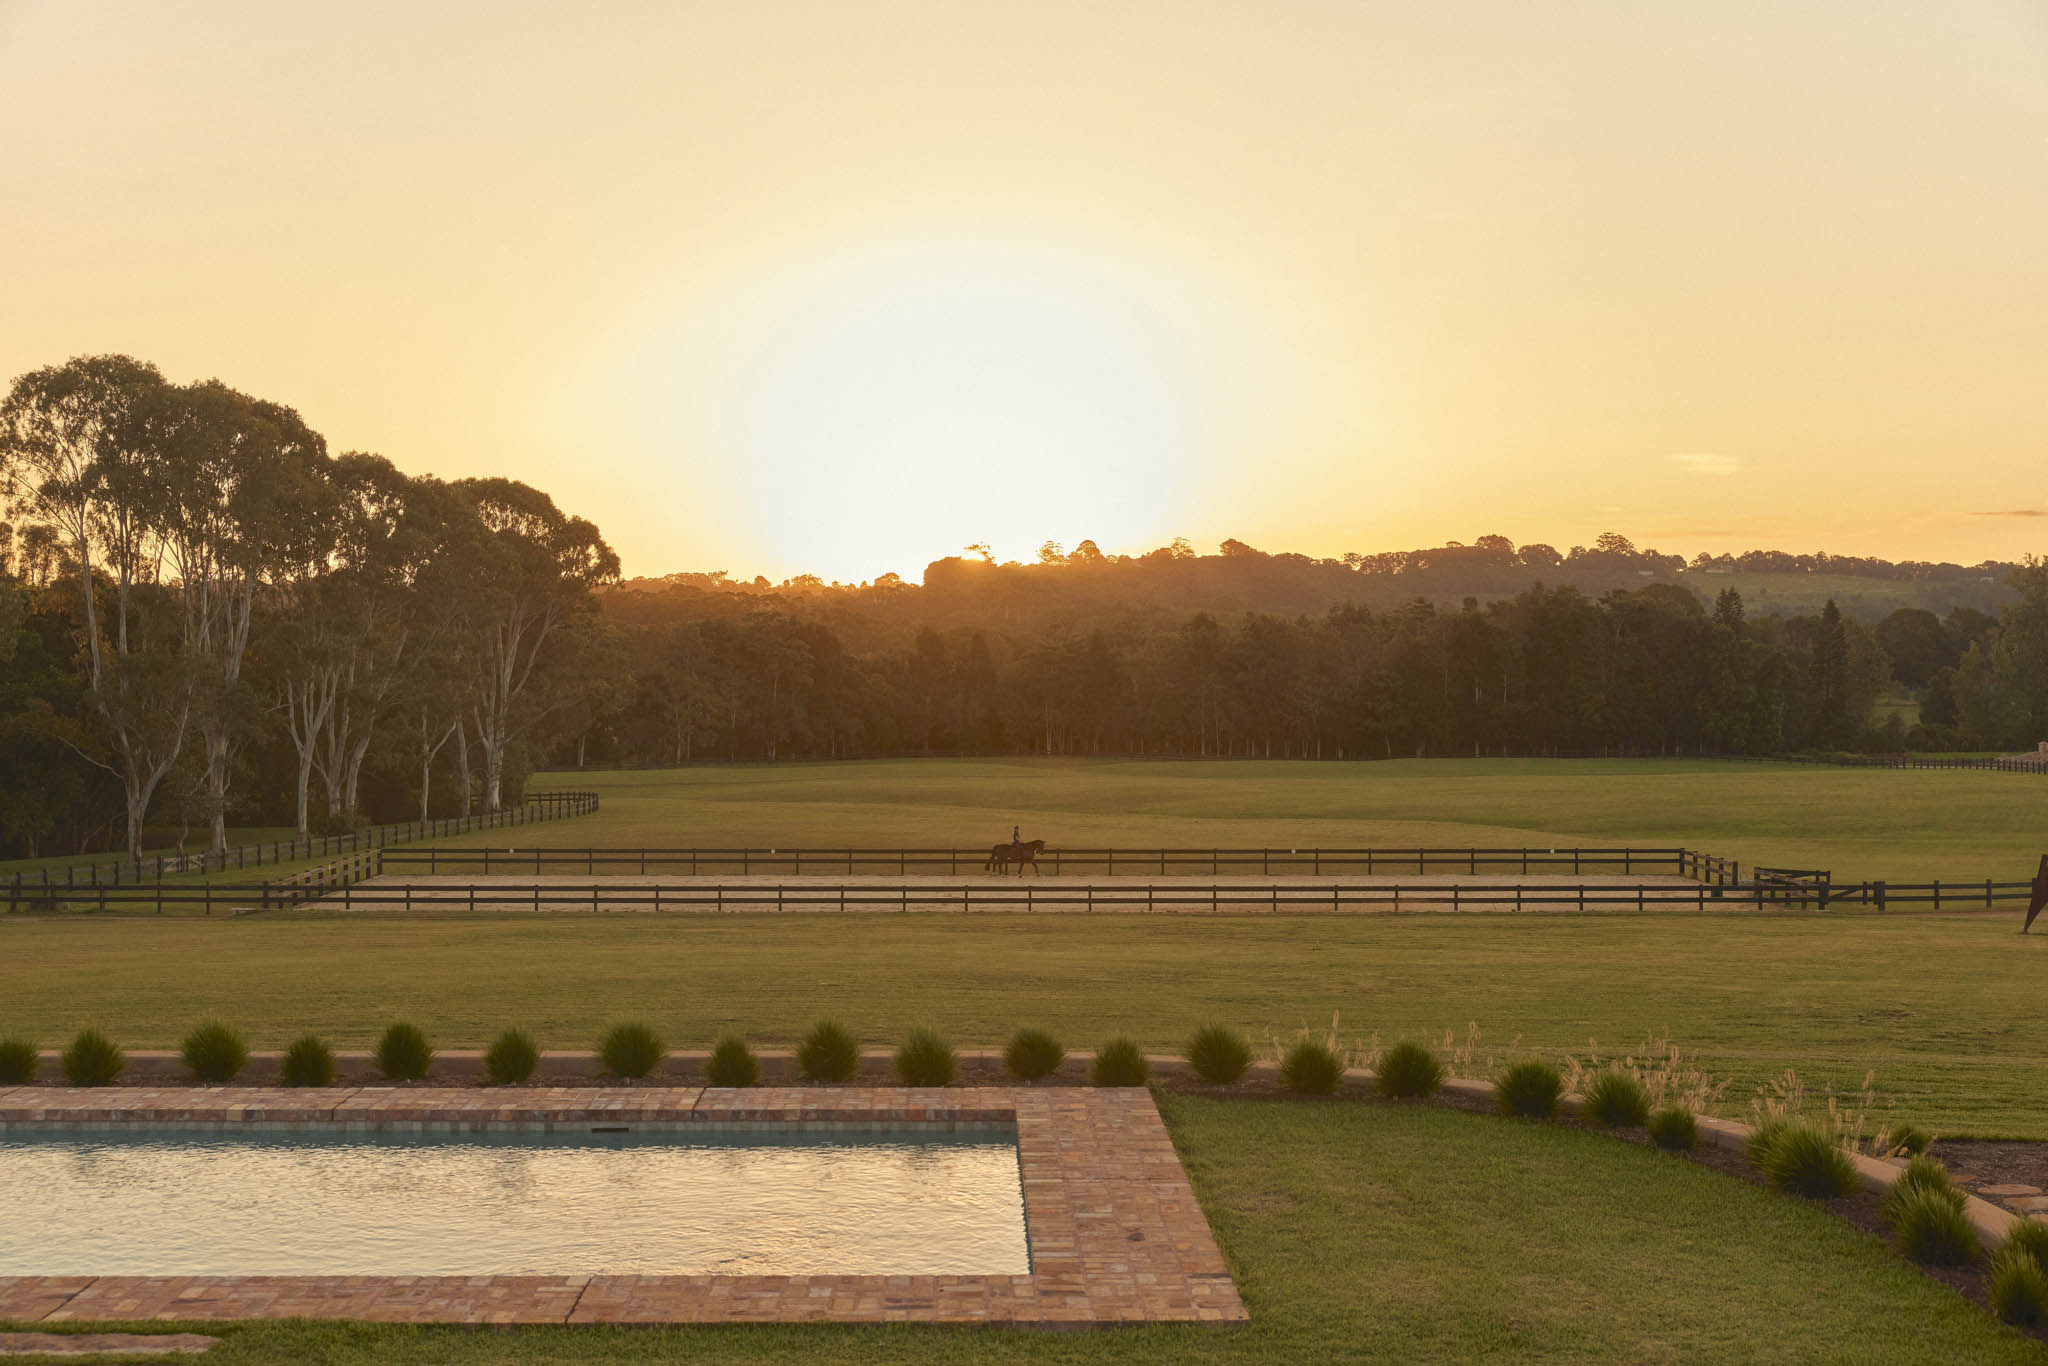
(534,571)
(83,450)
(248,505)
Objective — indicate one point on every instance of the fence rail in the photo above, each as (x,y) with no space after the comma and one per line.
(538,806)
(1128,898)
(2003,763)
(1688,863)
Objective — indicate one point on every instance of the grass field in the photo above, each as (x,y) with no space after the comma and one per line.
(1361,1232)
(1903,825)
(1946,1009)
(1356,1231)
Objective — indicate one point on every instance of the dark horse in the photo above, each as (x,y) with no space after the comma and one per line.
(1003,855)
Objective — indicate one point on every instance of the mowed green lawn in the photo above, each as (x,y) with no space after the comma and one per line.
(1363,1232)
(1902,825)
(1947,1010)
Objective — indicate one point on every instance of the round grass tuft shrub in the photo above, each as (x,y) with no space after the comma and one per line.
(2019,1287)
(1119,1062)
(1928,1172)
(511,1058)
(214,1053)
(1408,1071)
(1311,1068)
(404,1054)
(1529,1089)
(308,1062)
(93,1060)
(1033,1055)
(926,1059)
(1674,1129)
(1763,1136)
(828,1053)
(732,1063)
(1618,1101)
(631,1050)
(18,1062)
(1219,1054)
(1932,1227)
(2030,1237)
(1805,1161)
(1911,1140)
(1923,1175)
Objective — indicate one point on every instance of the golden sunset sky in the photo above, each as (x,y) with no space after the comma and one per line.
(787,287)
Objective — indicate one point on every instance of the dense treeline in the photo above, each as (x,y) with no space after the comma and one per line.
(1549,671)
(208,619)
(202,612)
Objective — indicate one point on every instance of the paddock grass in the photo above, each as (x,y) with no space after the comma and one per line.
(1902,825)
(1365,1232)
(1947,1010)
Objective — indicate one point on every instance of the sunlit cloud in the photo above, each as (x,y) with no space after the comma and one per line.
(1708,463)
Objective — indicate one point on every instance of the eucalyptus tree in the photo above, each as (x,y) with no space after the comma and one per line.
(246,504)
(392,533)
(532,571)
(83,451)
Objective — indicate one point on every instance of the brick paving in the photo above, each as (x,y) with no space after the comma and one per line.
(1113,1227)
(104,1344)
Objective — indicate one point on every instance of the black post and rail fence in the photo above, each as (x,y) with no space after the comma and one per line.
(382,874)
(1269,862)
(340,892)
(152,868)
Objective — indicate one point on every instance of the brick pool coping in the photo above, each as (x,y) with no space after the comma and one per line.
(1113,1227)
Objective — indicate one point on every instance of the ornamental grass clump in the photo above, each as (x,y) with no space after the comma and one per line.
(511,1058)
(93,1060)
(404,1054)
(732,1063)
(214,1053)
(828,1053)
(1674,1129)
(1119,1063)
(1312,1068)
(1933,1228)
(1618,1101)
(1033,1055)
(2030,1237)
(1408,1071)
(1804,1160)
(1928,1173)
(308,1062)
(1911,1139)
(926,1059)
(1529,1089)
(2019,1287)
(1763,1136)
(18,1062)
(631,1050)
(1219,1054)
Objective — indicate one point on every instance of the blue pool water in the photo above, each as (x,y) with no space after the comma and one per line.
(758,1201)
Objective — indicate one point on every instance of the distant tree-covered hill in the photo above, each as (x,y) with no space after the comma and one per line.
(1077,588)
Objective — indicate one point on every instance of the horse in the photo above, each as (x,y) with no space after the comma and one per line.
(1003,855)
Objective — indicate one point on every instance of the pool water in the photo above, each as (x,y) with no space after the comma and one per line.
(754,1201)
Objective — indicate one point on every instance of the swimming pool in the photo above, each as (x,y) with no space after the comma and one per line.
(303,1200)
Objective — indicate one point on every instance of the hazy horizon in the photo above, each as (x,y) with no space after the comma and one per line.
(834,291)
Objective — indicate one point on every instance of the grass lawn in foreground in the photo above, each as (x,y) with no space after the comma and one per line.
(1364,1232)
(1946,1009)
(1900,824)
